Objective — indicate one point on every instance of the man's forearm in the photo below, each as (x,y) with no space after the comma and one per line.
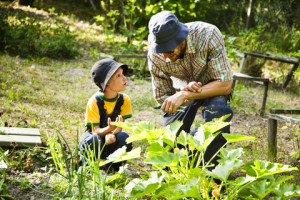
(215,88)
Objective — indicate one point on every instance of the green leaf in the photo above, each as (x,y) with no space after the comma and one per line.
(164,159)
(230,154)
(222,171)
(236,137)
(121,155)
(135,128)
(154,149)
(182,138)
(259,168)
(263,187)
(138,188)
(170,133)
(287,190)
(215,125)
(173,190)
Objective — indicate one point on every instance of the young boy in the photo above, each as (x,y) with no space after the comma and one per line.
(106,106)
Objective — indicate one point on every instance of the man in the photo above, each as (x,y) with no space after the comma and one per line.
(194,54)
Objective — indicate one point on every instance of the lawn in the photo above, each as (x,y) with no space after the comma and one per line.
(51,95)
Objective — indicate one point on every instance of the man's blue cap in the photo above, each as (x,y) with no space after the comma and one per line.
(166,32)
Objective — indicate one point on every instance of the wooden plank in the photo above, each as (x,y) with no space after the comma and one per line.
(285,119)
(294,61)
(129,56)
(21,140)
(282,56)
(284,111)
(19,131)
(240,76)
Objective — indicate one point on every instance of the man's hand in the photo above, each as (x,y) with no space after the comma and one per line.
(110,138)
(172,103)
(193,87)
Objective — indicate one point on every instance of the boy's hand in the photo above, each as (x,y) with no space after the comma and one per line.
(110,138)
(114,128)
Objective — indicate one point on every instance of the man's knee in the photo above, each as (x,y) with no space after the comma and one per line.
(216,111)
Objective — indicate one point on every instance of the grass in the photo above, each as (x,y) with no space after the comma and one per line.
(52,94)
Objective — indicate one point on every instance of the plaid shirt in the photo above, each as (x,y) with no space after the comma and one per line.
(204,60)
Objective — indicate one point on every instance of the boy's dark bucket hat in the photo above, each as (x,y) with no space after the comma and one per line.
(102,71)
(166,32)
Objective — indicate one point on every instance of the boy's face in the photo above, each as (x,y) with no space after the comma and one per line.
(117,82)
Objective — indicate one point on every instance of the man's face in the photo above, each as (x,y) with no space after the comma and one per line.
(178,52)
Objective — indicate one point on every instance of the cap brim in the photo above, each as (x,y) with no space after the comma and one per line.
(170,44)
(112,71)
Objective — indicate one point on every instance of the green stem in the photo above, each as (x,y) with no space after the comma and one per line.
(139,167)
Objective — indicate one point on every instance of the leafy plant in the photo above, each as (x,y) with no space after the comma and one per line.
(84,181)
(31,37)
(182,173)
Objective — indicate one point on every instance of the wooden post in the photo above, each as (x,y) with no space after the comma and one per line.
(263,106)
(244,56)
(272,137)
(290,75)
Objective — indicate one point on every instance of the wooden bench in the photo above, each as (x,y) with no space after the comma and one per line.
(274,116)
(142,56)
(21,136)
(263,81)
(274,57)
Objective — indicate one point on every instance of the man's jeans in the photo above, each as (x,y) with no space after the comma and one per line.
(214,107)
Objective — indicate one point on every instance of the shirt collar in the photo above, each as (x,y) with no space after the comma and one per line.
(190,48)
(109,100)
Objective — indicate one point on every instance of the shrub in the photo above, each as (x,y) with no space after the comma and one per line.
(29,36)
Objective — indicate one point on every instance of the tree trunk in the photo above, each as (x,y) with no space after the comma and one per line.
(249,14)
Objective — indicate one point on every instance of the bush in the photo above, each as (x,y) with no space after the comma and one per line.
(29,36)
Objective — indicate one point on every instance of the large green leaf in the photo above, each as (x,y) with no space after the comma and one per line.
(138,188)
(173,190)
(121,155)
(263,187)
(236,137)
(230,154)
(215,125)
(135,128)
(164,159)
(170,133)
(222,171)
(287,190)
(182,138)
(154,149)
(146,135)
(259,168)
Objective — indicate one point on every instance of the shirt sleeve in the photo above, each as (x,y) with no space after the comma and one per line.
(92,116)
(218,64)
(161,82)
(126,110)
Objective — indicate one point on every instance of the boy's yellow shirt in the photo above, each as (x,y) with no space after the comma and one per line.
(92,116)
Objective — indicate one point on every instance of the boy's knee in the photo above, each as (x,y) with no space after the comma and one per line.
(121,138)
